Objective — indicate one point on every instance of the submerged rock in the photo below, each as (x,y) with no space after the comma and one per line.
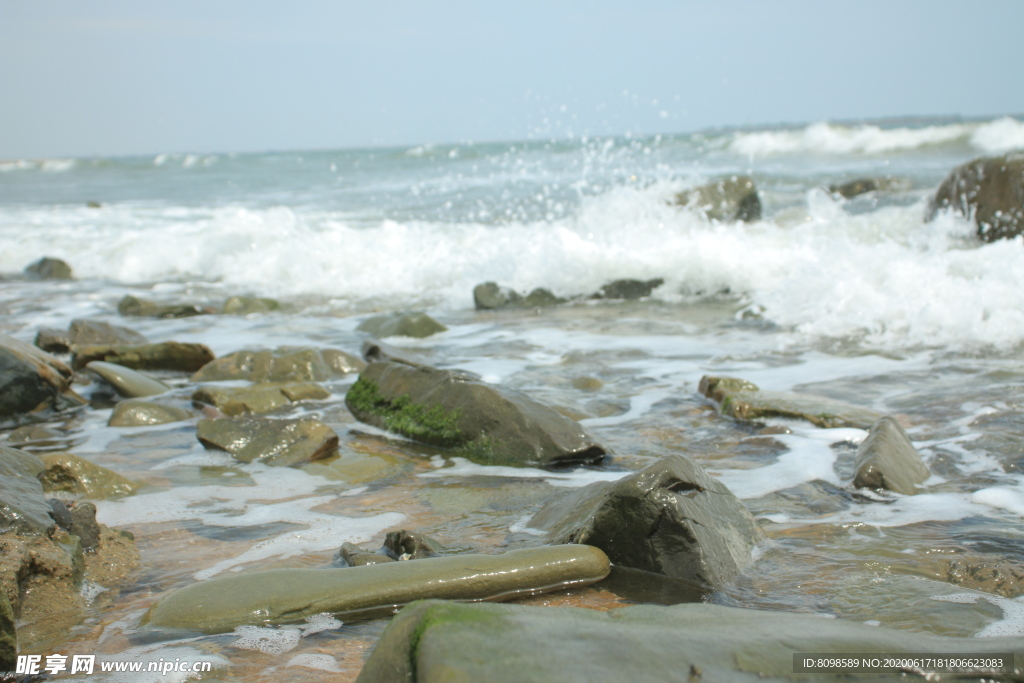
(990,190)
(126,381)
(669,518)
(744,401)
(450,409)
(490,296)
(244,305)
(48,268)
(136,413)
(84,333)
(729,199)
(288,595)
(435,641)
(1001,577)
(284,364)
(887,459)
(398,546)
(629,289)
(272,442)
(133,306)
(32,381)
(413,324)
(69,473)
(23,507)
(177,356)
(855,188)
(260,398)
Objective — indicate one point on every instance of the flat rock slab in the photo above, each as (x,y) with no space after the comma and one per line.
(261,398)
(669,518)
(288,595)
(273,442)
(71,474)
(451,409)
(435,642)
(177,356)
(127,382)
(745,401)
(285,364)
(887,459)
(137,413)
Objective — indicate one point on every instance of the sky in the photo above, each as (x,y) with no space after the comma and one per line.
(120,77)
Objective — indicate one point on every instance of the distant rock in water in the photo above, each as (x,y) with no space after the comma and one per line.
(134,306)
(283,364)
(455,410)
(855,188)
(887,459)
(177,356)
(730,199)
(85,332)
(245,305)
(490,296)
(48,268)
(990,190)
(628,289)
(411,324)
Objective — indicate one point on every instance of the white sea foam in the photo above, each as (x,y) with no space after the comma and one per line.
(829,138)
(1001,135)
(460,467)
(312,660)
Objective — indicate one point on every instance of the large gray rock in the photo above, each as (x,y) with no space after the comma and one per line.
(284,364)
(729,199)
(272,442)
(455,410)
(670,518)
(287,595)
(48,268)
(887,459)
(177,356)
(745,401)
(412,324)
(84,333)
(435,642)
(990,190)
(23,507)
(32,380)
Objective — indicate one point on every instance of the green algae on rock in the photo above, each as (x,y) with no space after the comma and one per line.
(288,595)
(71,474)
(451,409)
(435,641)
(272,442)
(887,459)
(745,401)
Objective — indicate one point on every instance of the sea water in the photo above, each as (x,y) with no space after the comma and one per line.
(858,300)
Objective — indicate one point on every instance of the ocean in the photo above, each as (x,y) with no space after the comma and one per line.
(856,299)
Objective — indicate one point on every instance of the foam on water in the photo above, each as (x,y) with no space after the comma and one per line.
(312,660)
(460,467)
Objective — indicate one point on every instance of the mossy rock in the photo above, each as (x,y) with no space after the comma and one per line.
(48,268)
(490,296)
(855,188)
(628,290)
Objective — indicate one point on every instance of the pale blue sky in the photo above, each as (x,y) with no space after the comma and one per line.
(112,77)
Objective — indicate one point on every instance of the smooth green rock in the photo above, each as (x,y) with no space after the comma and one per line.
(413,324)
(244,305)
(126,381)
(84,333)
(273,442)
(8,635)
(136,307)
(137,413)
(288,595)
(990,190)
(32,380)
(72,474)
(285,364)
(23,507)
(48,268)
(177,356)
(445,642)
(744,401)
(669,518)
(454,410)
(887,459)
(730,199)
(260,398)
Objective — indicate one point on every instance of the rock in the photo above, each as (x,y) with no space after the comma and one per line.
(23,507)
(272,442)
(48,268)
(288,595)
(729,199)
(85,333)
(136,307)
(136,413)
(490,296)
(127,382)
(31,380)
(887,459)
(260,398)
(744,401)
(375,350)
(855,188)
(1001,577)
(71,474)
(990,190)
(415,324)
(454,410)
(409,545)
(436,641)
(284,364)
(354,556)
(628,289)
(84,525)
(669,518)
(8,635)
(177,356)
(244,305)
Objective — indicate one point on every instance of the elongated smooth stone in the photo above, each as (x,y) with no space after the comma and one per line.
(287,595)
(126,381)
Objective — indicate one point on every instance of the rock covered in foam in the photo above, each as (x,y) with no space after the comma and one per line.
(887,459)
(730,199)
(989,190)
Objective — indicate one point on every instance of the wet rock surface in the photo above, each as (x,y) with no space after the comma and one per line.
(284,364)
(270,441)
(288,595)
(138,413)
(730,199)
(133,306)
(259,398)
(175,356)
(490,296)
(435,641)
(23,507)
(48,268)
(126,381)
(860,186)
(32,381)
(452,410)
(669,518)
(412,324)
(990,190)
(628,289)
(86,332)
(887,459)
(246,305)
(79,477)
